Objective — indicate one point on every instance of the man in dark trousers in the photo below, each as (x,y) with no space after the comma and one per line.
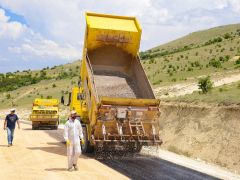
(9,125)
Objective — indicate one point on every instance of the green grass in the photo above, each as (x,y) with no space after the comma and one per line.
(199,37)
(226,94)
(196,60)
(24,97)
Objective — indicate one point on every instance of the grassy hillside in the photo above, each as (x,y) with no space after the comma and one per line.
(199,53)
(56,81)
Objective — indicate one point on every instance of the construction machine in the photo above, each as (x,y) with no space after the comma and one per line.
(45,113)
(114,99)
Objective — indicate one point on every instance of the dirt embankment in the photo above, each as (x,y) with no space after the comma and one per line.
(210,133)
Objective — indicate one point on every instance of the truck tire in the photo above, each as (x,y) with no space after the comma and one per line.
(35,127)
(86,147)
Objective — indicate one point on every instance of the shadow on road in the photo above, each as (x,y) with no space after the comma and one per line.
(53,149)
(3,145)
(56,169)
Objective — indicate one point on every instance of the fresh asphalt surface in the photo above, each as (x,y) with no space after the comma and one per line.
(146,168)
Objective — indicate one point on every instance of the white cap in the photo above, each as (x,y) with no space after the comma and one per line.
(12,110)
(73,112)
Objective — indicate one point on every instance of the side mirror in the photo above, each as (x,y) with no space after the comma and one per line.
(69,99)
(62,100)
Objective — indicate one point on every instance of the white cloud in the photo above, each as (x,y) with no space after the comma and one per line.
(55,28)
(11,30)
(23,44)
(235,5)
(46,49)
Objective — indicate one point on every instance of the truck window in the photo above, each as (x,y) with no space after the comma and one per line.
(80,96)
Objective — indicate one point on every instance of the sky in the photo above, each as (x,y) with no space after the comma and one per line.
(39,33)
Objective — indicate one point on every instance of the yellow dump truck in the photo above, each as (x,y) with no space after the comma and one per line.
(114,100)
(45,113)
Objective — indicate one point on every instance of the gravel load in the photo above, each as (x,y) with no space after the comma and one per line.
(115,84)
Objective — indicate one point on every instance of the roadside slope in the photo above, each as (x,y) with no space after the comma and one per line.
(206,132)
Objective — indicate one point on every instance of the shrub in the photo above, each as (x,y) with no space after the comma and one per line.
(190,69)
(215,63)
(49,97)
(54,85)
(205,84)
(226,36)
(227,57)
(238,86)
(151,61)
(237,61)
(174,80)
(8,96)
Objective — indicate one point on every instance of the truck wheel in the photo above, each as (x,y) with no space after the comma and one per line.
(34,127)
(86,147)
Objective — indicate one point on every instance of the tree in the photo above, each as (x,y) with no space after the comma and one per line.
(205,84)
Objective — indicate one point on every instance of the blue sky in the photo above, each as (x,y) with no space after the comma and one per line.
(14,17)
(35,34)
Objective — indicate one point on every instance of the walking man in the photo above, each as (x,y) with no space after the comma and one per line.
(9,125)
(72,135)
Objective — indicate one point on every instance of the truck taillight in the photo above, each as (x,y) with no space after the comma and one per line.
(106,106)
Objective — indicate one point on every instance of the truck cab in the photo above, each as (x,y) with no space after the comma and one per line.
(45,113)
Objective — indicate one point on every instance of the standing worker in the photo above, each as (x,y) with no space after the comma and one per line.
(72,135)
(9,125)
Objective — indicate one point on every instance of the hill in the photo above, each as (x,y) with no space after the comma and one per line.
(28,85)
(216,50)
(211,52)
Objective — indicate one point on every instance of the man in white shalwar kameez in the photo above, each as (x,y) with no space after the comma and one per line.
(73,135)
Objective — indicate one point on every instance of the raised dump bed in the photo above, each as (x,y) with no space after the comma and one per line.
(116,74)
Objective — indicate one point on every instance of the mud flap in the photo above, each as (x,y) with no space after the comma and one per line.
(86,147)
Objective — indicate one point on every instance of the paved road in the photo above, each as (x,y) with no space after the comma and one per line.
(145,168)
(40,154)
